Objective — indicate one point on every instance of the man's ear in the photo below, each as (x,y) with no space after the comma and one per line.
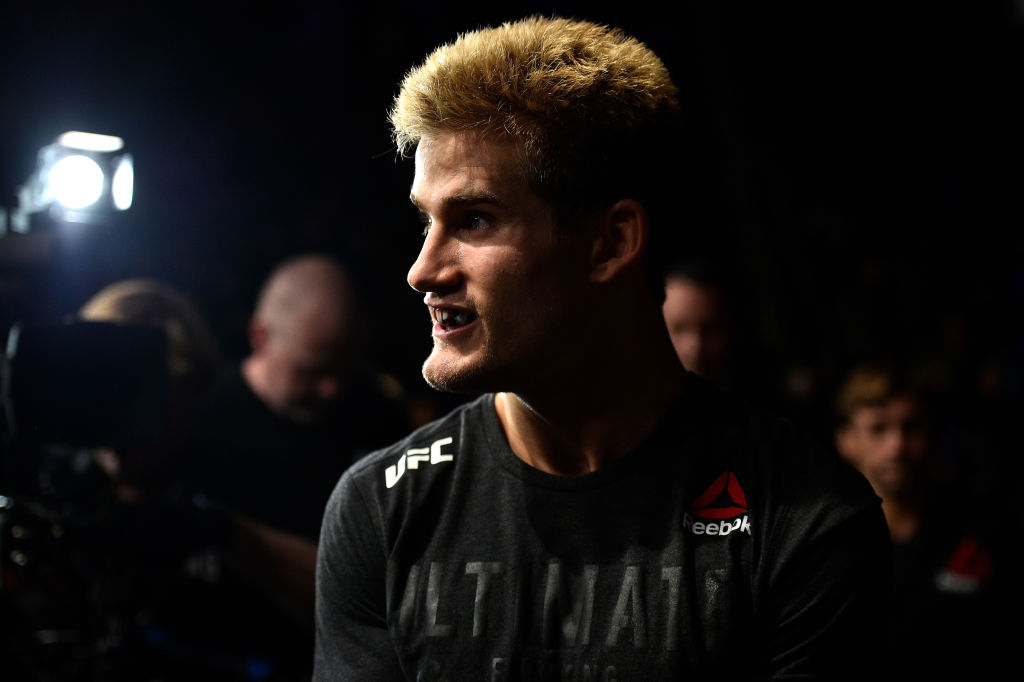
(844,443)
(258,334)
(620,239)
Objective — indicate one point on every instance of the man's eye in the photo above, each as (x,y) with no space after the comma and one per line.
(477,221)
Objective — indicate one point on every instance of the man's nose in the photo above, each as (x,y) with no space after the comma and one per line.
(895,442)
(436,269)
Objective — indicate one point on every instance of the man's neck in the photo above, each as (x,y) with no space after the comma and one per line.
(575,427)
(903,513)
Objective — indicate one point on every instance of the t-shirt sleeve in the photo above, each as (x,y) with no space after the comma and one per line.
(827,615)
(352,640)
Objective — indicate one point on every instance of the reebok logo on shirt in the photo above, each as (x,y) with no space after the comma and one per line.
(967,569)
(719,510)
(413,457)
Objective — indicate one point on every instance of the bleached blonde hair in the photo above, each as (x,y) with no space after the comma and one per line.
(526,78)
(592,109)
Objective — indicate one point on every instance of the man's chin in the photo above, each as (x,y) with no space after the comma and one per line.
(891,485)
(302,415)
(444,375)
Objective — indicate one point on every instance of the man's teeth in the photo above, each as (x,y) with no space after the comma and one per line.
(450,318)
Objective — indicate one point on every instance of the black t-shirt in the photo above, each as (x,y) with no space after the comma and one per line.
(722,548)
(958,597)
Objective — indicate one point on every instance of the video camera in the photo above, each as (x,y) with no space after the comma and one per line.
(68,389)
(77,385)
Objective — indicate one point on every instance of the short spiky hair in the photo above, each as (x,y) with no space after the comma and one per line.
(872,384)
(591,107)
(523,78)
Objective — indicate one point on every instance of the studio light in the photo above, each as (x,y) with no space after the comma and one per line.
(76,181)
(123,184)
(80,178)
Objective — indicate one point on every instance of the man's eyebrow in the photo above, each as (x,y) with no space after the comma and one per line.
(457,200)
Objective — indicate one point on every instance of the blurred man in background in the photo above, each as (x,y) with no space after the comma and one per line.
(277,429)
(956,606)
(708,313)
(701,320)
(273,436)
(194,361)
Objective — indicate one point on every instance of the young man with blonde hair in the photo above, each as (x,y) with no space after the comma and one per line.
(597,512)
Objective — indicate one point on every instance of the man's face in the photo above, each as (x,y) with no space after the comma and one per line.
(888,443)
(499,282)
(699,326)
(303,370)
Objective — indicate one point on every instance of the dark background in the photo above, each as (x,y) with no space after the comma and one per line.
(862,160)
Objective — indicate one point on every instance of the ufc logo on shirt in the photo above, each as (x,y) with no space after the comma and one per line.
(413,457)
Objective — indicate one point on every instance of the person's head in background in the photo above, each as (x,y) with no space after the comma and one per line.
(193,359)
(883,430)
(303,336)
(701,317)
(193,355)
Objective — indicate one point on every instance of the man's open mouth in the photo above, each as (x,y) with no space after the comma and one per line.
(452,318)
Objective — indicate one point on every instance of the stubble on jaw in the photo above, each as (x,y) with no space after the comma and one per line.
(445,371)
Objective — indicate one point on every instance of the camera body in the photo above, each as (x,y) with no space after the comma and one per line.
(85,383)
(69,390)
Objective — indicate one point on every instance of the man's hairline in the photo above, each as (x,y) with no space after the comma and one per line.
(847,417)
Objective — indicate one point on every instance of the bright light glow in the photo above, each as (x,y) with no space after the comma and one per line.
(92,142)
(123,184)
(76,181)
